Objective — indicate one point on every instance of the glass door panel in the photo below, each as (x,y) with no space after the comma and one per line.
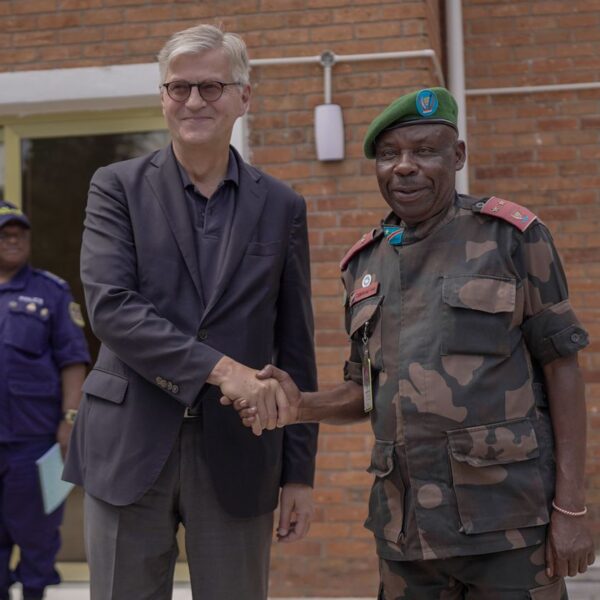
(56,172)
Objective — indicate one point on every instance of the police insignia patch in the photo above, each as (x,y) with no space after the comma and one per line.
(75,314)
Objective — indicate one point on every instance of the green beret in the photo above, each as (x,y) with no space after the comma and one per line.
(430,105)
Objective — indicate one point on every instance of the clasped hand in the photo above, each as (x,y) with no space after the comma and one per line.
(264,399)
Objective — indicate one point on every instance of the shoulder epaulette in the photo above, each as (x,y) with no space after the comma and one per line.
(364,241)
(515,214)
(52,277)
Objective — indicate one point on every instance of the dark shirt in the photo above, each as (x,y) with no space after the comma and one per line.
(212,218)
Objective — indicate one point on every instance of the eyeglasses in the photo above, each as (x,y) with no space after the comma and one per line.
(17,236)
(210,91)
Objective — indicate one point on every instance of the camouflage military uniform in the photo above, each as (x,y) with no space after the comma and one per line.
(458,320)
(515,575)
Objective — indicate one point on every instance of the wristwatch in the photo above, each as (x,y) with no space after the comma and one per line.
(69,415)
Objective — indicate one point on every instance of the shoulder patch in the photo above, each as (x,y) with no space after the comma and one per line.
(515,214)
(52,277)
(364,241)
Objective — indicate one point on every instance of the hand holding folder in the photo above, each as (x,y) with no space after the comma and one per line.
(54,489)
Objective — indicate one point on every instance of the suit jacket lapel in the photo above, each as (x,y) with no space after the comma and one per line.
(249,205)
(164,181)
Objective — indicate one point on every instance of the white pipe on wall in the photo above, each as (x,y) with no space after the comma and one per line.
(338,58)
(534,89)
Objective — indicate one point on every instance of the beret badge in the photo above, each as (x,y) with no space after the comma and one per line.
(427,103)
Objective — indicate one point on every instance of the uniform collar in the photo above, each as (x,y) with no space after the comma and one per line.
(419,232)
(19,280)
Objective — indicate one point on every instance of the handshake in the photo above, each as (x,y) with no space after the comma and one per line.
(264,399)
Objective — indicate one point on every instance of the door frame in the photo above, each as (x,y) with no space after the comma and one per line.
(67,125)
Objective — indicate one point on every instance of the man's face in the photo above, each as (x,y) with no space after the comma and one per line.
(416,167)
(197,122)
(15,247)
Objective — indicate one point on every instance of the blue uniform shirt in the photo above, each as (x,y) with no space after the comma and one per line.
(40,334)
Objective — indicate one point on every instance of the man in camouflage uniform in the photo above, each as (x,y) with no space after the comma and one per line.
(464,352)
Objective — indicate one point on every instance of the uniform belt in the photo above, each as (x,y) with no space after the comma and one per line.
(208,393)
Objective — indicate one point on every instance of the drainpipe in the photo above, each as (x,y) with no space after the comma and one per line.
(456,79)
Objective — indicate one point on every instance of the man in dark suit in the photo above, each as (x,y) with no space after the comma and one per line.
(196,272)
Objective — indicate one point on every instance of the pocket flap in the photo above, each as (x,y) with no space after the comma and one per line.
(495,444)
(105,385)
(553,591)
(363,313)
(478,292)
(382,458)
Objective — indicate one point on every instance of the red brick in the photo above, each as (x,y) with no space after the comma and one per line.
(23,56)
(79,4)
(102,17)
(80,36)
(150,13)
(34,38)
(353,549)
(127,32)
(33,6)
(59,20)
(19,23)
(106,49)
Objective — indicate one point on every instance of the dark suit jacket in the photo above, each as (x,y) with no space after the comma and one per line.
(139,269)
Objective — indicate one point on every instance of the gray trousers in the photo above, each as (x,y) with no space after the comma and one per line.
(131,550)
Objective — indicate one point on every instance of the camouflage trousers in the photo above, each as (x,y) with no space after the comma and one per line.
(511,575)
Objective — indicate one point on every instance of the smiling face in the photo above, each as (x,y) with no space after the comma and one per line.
(195,122)
(416,169)
(15,247)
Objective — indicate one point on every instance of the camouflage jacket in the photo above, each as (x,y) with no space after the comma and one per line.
(458,321)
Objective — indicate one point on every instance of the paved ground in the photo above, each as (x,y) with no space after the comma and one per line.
(584,587)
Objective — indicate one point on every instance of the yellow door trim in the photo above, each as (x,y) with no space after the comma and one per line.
(63,125)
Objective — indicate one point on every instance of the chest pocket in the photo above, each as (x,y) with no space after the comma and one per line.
(364,325)
(478,311)
(27,331)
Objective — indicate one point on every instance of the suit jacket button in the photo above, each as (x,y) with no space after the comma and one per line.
(175,389)
(202,334)
(158,380)
(169,385)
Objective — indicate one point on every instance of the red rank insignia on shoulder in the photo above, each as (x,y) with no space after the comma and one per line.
(364,241)
(515,214)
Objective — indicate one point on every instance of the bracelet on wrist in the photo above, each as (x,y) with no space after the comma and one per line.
(569,513)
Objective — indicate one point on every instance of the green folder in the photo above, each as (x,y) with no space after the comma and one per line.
(54,489)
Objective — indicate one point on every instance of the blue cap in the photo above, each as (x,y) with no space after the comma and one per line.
(9,213)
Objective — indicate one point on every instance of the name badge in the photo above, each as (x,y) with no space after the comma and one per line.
(366,373)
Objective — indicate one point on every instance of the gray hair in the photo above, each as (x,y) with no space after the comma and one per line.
(200,38)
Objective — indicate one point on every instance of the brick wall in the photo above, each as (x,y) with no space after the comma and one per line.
(541,150)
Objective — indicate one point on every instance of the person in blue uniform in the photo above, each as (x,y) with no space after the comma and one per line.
(43,357)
